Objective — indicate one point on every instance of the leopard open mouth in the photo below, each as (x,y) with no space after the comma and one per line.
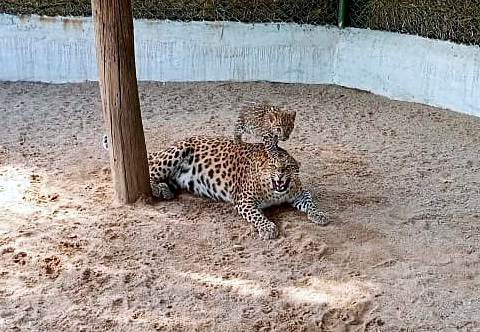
(280,185)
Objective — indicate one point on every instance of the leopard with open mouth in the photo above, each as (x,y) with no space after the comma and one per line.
(244,174)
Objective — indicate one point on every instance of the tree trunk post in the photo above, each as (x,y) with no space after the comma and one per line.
(113,25)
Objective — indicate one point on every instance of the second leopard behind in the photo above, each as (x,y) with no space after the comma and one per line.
(264,121)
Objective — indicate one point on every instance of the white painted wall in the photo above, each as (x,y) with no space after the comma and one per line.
(403,67)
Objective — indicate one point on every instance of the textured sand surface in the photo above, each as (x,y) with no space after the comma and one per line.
(400,181)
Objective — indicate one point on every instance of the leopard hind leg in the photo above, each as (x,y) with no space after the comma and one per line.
(164,169)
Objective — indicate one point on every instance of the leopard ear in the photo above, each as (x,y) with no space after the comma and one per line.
(293,114)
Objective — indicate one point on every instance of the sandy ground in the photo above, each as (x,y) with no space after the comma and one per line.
(400,181)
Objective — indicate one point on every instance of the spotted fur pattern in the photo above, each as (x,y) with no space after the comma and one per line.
(264,121)
(244,174)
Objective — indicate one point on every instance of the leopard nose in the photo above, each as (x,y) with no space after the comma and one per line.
(281,177)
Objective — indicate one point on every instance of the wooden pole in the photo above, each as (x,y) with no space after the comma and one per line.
(113,24)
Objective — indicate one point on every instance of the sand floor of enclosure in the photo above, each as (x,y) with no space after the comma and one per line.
(400,182)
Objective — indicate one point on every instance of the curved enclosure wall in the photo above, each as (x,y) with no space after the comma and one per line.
(410,68)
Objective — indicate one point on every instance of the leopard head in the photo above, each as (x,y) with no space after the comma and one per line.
(281,122)
(281,169)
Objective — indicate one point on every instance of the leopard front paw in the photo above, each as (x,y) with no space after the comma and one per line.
(161,190)
(317,217)
(267,230)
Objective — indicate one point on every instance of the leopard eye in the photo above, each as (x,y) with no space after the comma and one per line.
(291,167)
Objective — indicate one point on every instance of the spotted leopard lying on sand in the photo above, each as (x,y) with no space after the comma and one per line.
(244,174)
(264,121)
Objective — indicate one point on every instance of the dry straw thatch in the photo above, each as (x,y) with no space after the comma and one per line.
(455,20)
(299,11)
